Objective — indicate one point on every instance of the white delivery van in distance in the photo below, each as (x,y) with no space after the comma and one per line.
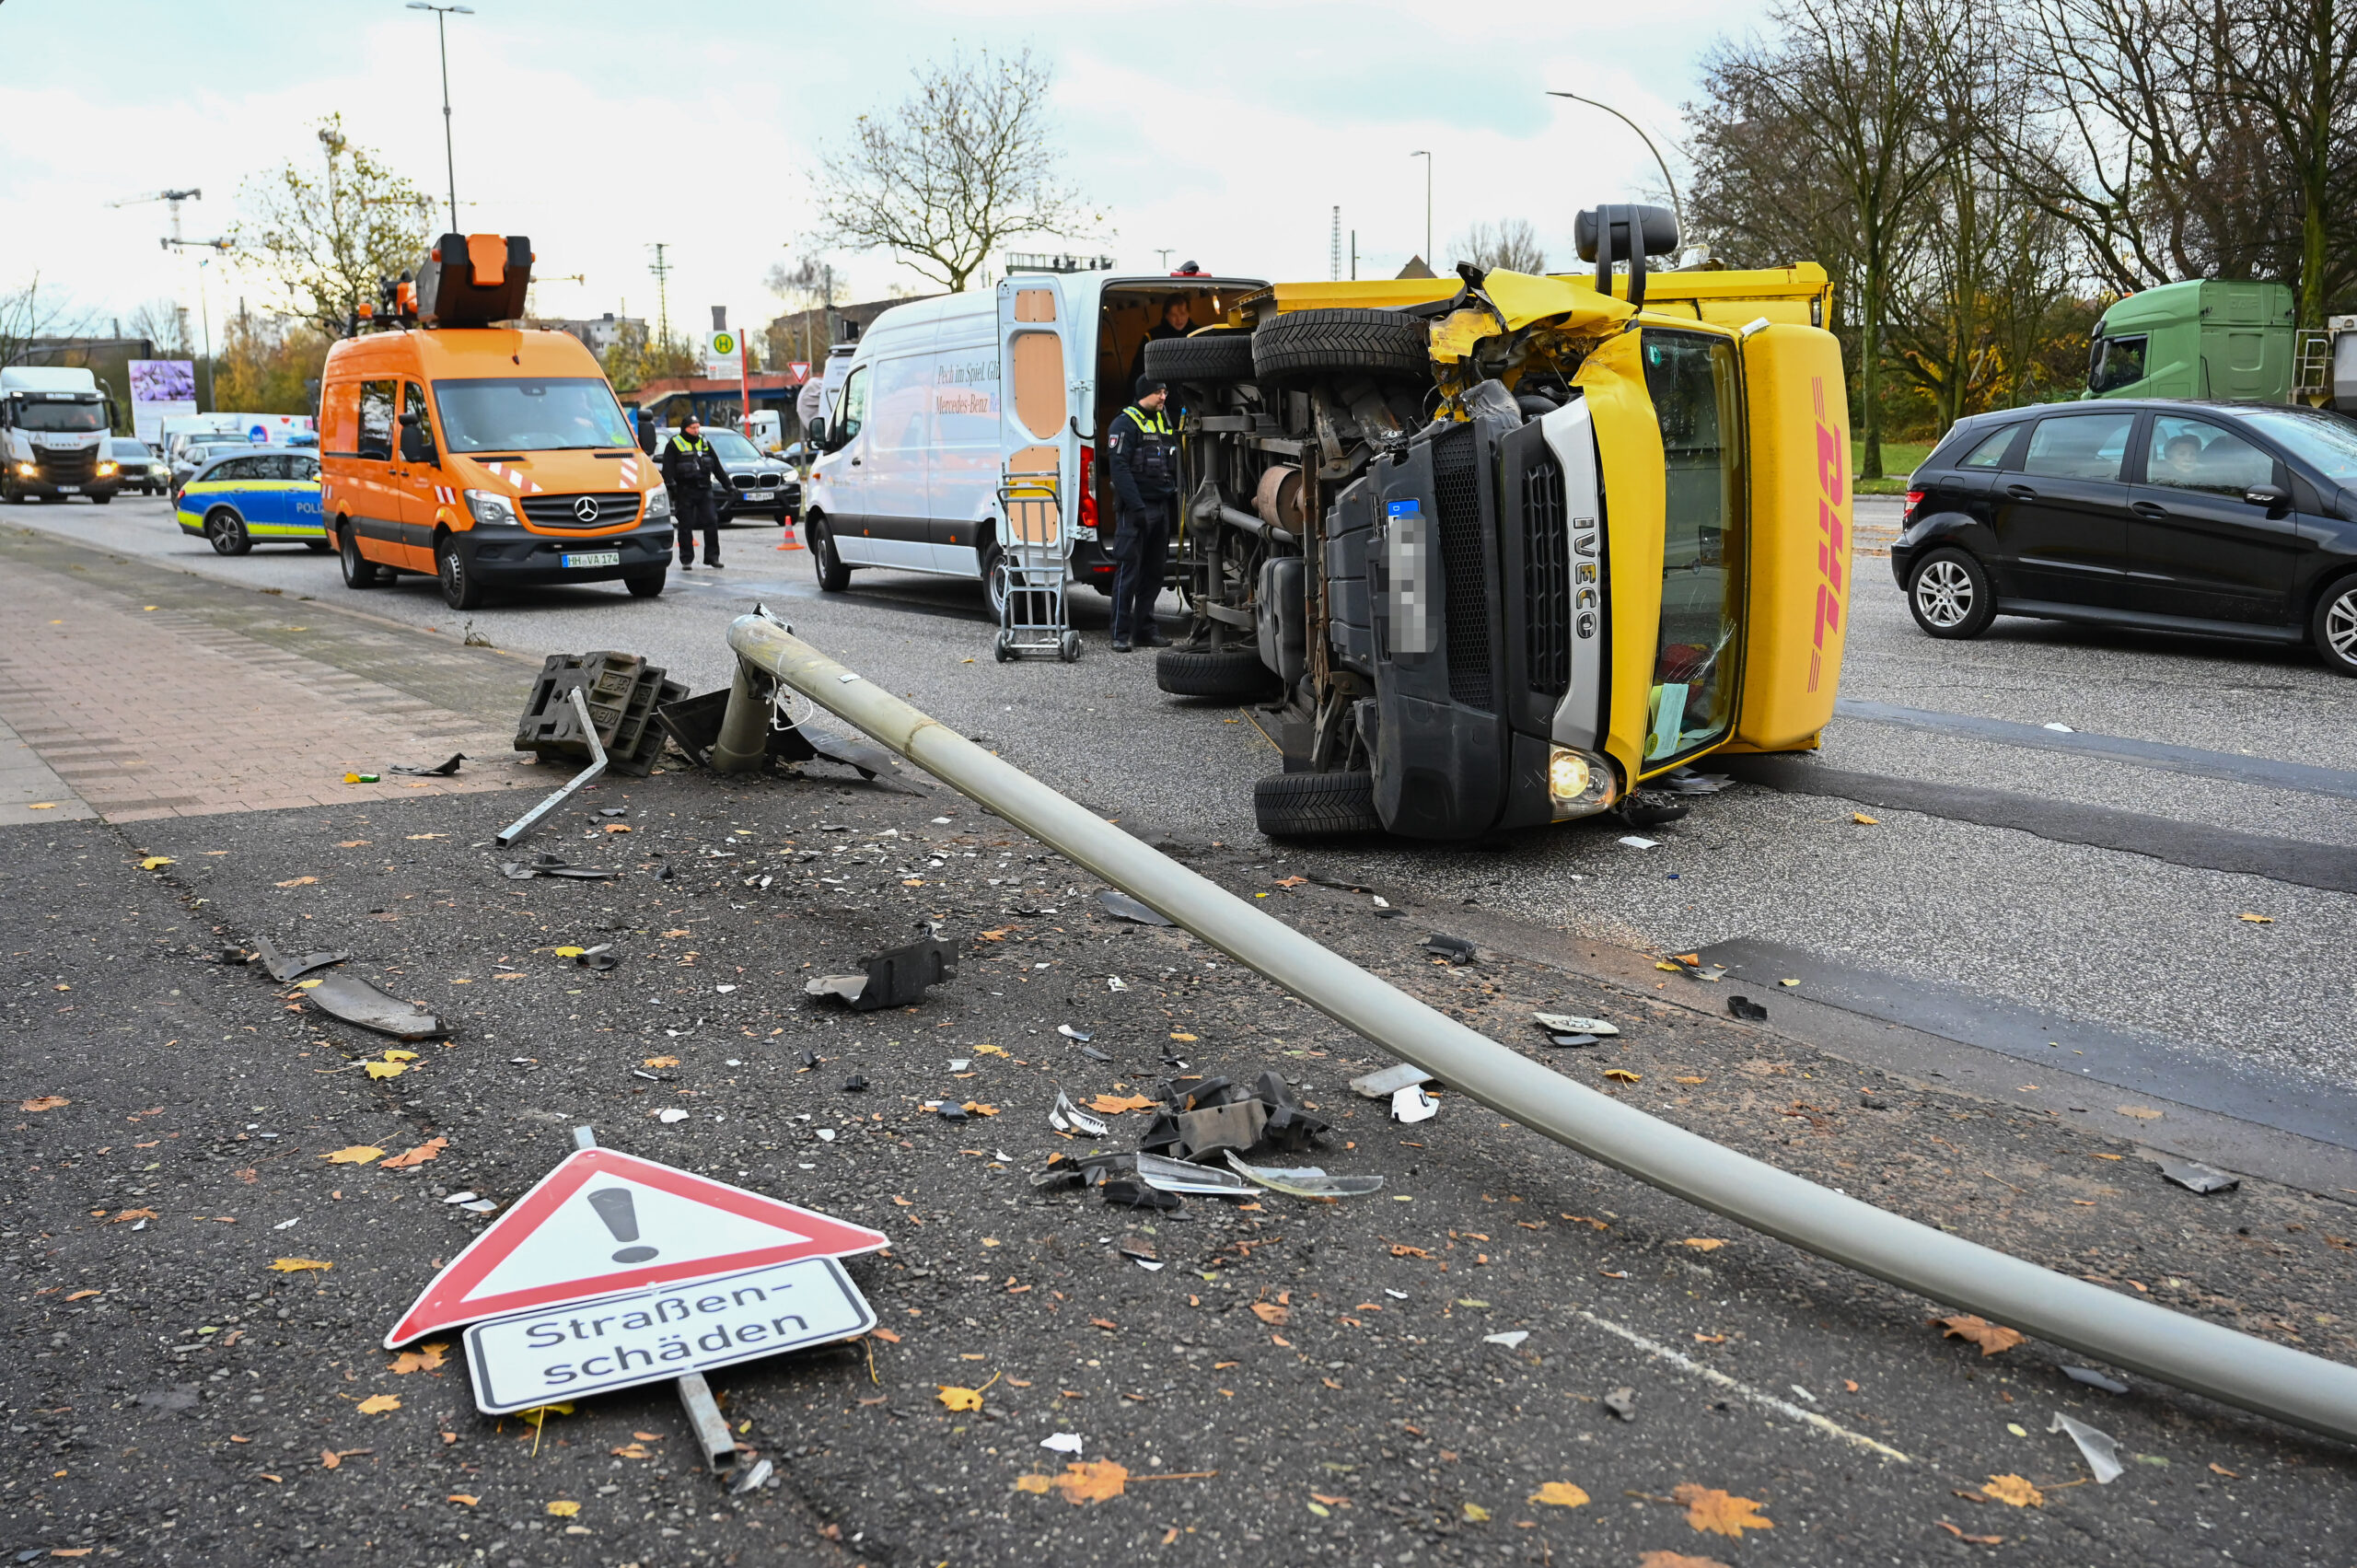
(943,395)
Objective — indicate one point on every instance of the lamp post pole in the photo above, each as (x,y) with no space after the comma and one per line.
(1674,205)
(442,39)
(1428,205)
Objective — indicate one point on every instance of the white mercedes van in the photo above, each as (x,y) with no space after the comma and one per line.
(944,396)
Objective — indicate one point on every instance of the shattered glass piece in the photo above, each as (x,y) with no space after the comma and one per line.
(1120,906)
(1180,1175)
(1306,1181)
(1386,1082)
(1094,1054)
(1067,1117)
(283,967)
(1412,1105)
(2096,1445)
(461,1196)
(2199,1178)
(480,1206)
(1572,1024)
(1512,1339)
(353,1000)
(2094,1379)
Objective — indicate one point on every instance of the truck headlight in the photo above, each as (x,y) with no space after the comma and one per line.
(490,506)
(26,471)
(1579,783)
(659,506)
(108,470)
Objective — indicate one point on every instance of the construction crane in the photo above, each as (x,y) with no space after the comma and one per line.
(172,198)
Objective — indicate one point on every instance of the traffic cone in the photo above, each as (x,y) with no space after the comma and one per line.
(789,542)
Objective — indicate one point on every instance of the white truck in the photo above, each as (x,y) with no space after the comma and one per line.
(54,424)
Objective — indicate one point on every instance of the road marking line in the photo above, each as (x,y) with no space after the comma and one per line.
(1759,1397)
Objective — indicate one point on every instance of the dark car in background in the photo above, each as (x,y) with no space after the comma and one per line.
(142,469)
(759,485)
(195,452)
(2219,520)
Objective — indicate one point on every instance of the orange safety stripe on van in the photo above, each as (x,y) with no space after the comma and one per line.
(524,482)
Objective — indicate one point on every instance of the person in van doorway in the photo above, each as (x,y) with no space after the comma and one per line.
(1178,321)
(1143,455)
(690,470)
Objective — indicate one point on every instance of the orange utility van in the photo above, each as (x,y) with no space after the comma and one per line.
(485,455)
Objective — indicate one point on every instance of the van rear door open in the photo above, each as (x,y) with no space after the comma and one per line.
(1038,383)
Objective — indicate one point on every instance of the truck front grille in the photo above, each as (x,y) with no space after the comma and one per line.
(558,511)
(1456,492)
(59,466)
(1545,579)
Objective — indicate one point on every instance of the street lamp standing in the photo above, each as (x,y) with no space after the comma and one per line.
(450,158)
(1428,205)
(1674,204)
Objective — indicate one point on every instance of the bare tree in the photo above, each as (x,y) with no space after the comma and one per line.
(1509,243)
(966,161)
(2291,66)
(164,323)
(326,239)
(26,314)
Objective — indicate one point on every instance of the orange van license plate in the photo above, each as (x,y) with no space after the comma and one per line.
(596,558)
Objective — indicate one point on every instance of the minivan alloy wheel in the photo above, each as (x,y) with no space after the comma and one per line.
(2340,626)
(1944,593)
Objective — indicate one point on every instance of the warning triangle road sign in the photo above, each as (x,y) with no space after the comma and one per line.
(604,1221)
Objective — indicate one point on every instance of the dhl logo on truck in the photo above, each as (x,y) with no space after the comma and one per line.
(1833,549)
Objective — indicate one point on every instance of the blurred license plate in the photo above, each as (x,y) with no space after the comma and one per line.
(760,495)
(69,489)
(596,558)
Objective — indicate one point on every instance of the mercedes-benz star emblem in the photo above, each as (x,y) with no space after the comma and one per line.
(586,508)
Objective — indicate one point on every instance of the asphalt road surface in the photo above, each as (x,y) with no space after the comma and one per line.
(205,1250)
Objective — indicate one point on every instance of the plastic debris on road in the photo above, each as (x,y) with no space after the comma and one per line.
(353,1000)
(1063,1442)
(1456,950)
(285,967)
(1307,1181)
(1633,841)
(895,977)
(2094,1379)
(433,770)
(1120,906)
(1622,1402)
(754,1479)
(1512,1339)
(2199,1178)
(1412,1105)
(1572,1024)
(2097,1446)
(1744,1008)
(554,865)
(1165,1175)
(1388,1081)
(1067,1117)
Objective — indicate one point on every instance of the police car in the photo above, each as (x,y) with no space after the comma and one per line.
(259,495)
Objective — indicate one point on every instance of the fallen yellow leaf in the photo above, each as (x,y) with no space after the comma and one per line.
(2256,918)
(296,1265)
(424,1358)
(1269,1312)
(380,1404)
(963,1398)
(430,1149)
(44,1102)
(1623,1075)
(469,1498)
(1703,1243)
(1708,1508)
(298,882)
(1862,816)
(565,1510)
(1676,1560)
(971,1109)
(126,1215)
(1033,1483)
(661,1061)
(630,1451)
(1475,1512)
(385,1069)
(154,861)
(400,1055)
(1113,1105)
(2140,1112)
(356,1154)
(1092,1483)
(1990,1337)
(2015,1490)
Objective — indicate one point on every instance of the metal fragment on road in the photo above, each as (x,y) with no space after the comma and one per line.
(1412,1105)
(285,967)
(1385,1082)
(2199,1178)
(1307,1181)
(1572,1024)
(353,1000)
(754,1479)
(2094,1379)
(507,837)
(1120,906)
(1067,1117)
(2097,1446)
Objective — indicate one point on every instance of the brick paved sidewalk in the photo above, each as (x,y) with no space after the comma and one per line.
(156,712)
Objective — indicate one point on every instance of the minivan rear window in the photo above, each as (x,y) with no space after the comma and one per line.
(1991,452)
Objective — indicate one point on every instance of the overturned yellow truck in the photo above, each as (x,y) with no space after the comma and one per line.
(1505,548)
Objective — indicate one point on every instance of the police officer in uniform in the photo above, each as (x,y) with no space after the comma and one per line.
(690,470)
(1143,454)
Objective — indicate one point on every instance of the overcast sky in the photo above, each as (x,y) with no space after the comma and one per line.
(1227,132)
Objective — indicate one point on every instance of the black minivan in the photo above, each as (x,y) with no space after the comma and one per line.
(2222,519)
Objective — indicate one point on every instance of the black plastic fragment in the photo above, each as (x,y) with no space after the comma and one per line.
(1745,1008)
(439,770)
(546,864)
(1120,906)
(855,1084)
(600,957)
(895,977)
(953,1113)
(1456,950)
(285,967)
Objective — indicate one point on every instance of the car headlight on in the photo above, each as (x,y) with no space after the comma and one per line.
(659,505)
(1579,783)
(490,506)
(26,470)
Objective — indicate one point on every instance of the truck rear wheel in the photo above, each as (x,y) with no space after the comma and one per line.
(1300,344)
(1314,805)
(1209,359)
(1229,672)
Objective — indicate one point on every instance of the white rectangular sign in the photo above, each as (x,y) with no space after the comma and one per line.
(664,1332)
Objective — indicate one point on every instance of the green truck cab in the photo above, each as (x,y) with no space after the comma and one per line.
(2207,338)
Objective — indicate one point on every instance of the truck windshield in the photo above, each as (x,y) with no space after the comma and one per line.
(530,414)
(1691,379)
(60,417)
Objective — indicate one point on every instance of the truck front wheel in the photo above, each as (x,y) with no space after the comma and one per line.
(1304,345)
(1234,673)
(1314,805)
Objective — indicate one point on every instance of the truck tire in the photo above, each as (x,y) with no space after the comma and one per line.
(1301,344)
(1314,805)
(1231,672)
(1207,360)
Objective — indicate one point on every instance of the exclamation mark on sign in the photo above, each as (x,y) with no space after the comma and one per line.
(615,1206)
